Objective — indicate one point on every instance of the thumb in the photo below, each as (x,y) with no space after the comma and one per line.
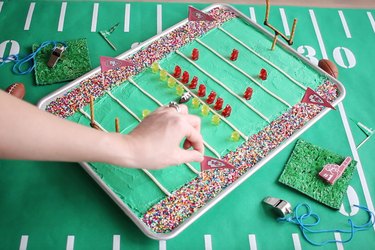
(185,156)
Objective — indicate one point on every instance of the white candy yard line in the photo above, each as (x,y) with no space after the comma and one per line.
(318,34)
(62,17)
(339,245)
(345,24)
(345,122)
(354,150)
(159,18)
(70,242)
(1,5)
(116,242)
(252,14)
(252,242)
(371,18)
(207,242)
(285,22)
(29,16)
(23,243)
(296,242)
(127,18)
(162,245)
(94,20)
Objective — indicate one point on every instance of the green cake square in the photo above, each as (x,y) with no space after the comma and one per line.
(302,173)
(74,62)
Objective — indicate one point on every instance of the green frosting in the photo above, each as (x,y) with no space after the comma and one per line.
(133,186)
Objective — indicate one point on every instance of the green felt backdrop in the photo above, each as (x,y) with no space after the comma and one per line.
(49,201)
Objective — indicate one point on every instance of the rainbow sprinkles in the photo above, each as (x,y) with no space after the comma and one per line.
(272,115)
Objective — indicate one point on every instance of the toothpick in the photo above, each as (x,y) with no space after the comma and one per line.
(117,125)
(292,32)
(92,109)
(274,41)
(267,12)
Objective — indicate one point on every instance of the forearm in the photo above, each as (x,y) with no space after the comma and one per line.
(29,133)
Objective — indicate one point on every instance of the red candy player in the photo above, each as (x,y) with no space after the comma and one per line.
(226,111)
(263,74)
(248,93)
(177,71)
(202,90)
(234,55)
(185,77)
(195,54)
(219,104)
(211,97)
(193,83)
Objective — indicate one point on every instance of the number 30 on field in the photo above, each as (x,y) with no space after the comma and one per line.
(14,49)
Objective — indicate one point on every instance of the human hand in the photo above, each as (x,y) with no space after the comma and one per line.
(155,142)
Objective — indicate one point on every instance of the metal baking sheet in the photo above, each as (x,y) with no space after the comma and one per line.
(165,236)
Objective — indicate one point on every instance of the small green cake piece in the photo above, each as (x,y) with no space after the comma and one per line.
(302,173)
(74,62)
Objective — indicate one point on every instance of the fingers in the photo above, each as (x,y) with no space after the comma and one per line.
(195,139)
(185,156)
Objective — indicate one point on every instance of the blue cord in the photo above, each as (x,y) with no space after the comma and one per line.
(298,219)
(17,67)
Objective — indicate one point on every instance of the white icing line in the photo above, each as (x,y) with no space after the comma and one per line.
(244,73)
(285,21)
(29,16)
(264,59)
(1,5)
(354,150)
(207,242)
(124,106)
(145,92)
(162,188)
(89,117)
(339,245)
(213,111)
(371,18)
(62,17)
(296,242)
(116,242)
(162,245)
(161,105)
(159,18)
(252,14)
(127,18)
(70,242)
(23,242)
(252,242)
(318,34)
(94,20)
(344,24)
(225,87)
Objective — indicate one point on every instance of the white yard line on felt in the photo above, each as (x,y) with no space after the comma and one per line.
(159,18)
(94,20)
(70,242)
(1,5)
(116,242)
(207,242)
(252,14)
(285,22)
(345,24)
(318,34)
(296,242)
(62,17)
(252,242)
(162,245)
(127,18)
(371,18)
(23,242)
(29,16)
(339,245)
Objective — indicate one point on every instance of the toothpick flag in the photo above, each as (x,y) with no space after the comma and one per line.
(108,63)
(213,163)
(312,97)
(197,15)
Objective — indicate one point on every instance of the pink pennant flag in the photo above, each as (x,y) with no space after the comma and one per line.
(108,63)
(197,15)
(213,163)
(312,97)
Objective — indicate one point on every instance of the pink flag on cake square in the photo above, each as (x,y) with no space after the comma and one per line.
(107,63)
(213,163)
(314,98)
(197,15)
